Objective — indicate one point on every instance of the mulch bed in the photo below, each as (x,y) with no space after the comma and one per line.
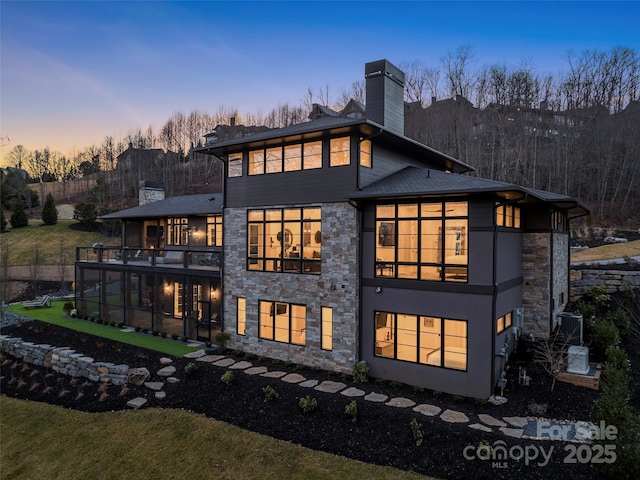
(381,434)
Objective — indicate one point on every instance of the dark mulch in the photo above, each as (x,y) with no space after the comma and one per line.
(381,434)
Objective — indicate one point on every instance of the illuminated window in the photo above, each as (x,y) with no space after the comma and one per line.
(327,328)
(235,165)
(339,152)
(419,339)
(274,160)
(284,240)
(504,322)
(507,216)
(292,158)
(177,231)
(365,153)
(242,316)
(256,162)
(283,322)
(312,155)
(426,241)
(214,231)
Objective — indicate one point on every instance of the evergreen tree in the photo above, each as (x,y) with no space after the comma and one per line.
(19,216)
(49,212)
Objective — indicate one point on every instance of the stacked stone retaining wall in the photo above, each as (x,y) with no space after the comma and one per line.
(64,360)
(582,281)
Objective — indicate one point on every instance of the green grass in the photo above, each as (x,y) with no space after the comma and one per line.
(56,243)
(159,444)
(56,316)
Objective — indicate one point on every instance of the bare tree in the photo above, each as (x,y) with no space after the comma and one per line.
(457,70)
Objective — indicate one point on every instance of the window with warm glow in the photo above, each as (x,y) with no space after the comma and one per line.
(292,158)
(365,153)
(235,165)
(327,328)
(214,231)
(422,241)
(504,322)
(507,216)
(419,339)
(274,160)
(312,155)
(177,231)
(256,162)
(242,315)
(339,152)
(284,240)
(283,322)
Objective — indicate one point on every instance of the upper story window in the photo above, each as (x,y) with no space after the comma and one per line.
(177,231)
(422,241)
(507,216)
(365,153)
(339,152)
(274,160)
(214,231)
(504,322)
(559,221)
(235,165)
(284,240)
(287,158)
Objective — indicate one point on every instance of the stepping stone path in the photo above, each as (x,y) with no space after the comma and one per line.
(453,416)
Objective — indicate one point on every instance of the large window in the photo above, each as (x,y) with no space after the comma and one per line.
(507,216)
(423,241)
(235,165)
(327,328)
(284,240)
(214,231)
(283,322)
(433,341)
(177,231)
(365,153)
(339,152)
(287,158)
(242,316)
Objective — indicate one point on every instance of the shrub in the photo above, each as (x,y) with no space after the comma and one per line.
(605,334)
(621,318)
(67,307)
(307,404)
(18,217)
(174,336)
(270,393)
(361,372)
(145,330)
(163,334)
(49,212)
(85,212)
(416,431)
(155,333)
(227,378)
(351,409)
(190,368)
(222,339)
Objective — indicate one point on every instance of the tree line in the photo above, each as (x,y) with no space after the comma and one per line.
(575,133)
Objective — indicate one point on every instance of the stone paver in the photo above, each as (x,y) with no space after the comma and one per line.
(376,397)
(274,374)
(196,354)
(330,387)
(154,385)
(400,402)
(489,420)
(352,392)
(225,362)
(479,426)
(255,370)
(309,383)
(241,365)
(453,416)
(293,378)
(167,371)
(210,358)
(165,361)
(428,410)
(518,422)
(511,432)
(136,403)
(160,395)
(173,380)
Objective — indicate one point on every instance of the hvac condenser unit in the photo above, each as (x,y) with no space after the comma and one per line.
(578,360)
(570,325)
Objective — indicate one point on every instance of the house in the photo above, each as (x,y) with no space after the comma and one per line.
(166,275)
(346,241)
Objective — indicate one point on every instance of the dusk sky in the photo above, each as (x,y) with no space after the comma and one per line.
(75,72)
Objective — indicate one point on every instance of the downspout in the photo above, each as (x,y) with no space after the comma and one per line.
(360,243)
(494,281)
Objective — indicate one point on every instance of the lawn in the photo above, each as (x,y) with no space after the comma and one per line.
(158,444)
(56,316)
(607,252)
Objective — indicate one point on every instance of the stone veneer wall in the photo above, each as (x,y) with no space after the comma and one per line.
(64,360)
(613,280)
(560,262)
(149,194)
(340,269)
(536,270)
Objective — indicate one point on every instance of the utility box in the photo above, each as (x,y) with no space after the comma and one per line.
(578,360)
(570,324)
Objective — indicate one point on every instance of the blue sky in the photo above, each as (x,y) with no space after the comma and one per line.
(74,72)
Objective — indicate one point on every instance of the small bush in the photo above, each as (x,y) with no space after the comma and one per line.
(361,372)
(458,398)
(163,334)
(145,330)
(621,319)
(155,333)
(174,336)
(351,409)
(185,339)
(67,307)
(222,339)
(418,389)
(605,334)
(307,404)
(227,378)
(437,394)
(270,393)
(190,368)
(416,431)
(138,329)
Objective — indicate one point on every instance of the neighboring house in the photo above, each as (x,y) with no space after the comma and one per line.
(347,241)
(166,275)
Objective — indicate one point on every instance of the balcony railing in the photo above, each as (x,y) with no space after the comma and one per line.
(150,257)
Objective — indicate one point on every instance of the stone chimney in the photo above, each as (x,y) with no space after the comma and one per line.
(150,192)
(385,95)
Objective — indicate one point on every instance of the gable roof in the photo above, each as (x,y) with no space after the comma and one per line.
(183,206)
(413,182)
(339,126)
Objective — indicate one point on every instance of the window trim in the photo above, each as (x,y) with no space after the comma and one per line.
(242,319)
(273,306)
